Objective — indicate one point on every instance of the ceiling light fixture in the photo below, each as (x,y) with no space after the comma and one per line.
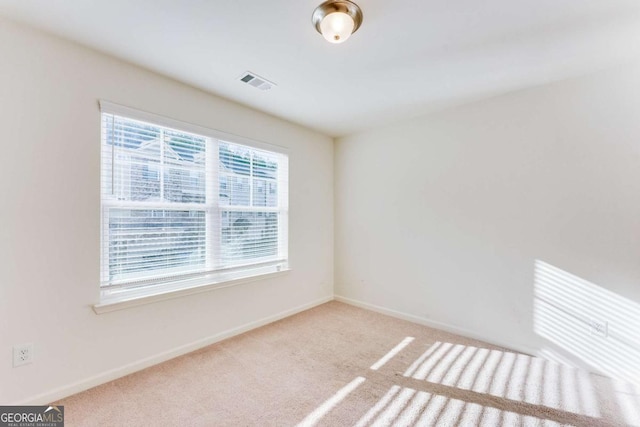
(336,20)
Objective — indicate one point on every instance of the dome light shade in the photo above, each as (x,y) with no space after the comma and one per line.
(337,27)
(336,20)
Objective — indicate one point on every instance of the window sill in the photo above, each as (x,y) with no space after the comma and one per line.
(136,297)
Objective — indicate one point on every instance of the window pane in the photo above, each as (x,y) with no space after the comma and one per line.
(141,181)
(184,173)
(155,242)
(128,133)
(136,175)
(132,159)
(223,191)
(184,185)
(234,191)
(265,193)
(249,235)
(272,193)
(145,163)
(235,159)
(265,165)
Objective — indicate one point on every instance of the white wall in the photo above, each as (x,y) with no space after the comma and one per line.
(50,200)
(456,218)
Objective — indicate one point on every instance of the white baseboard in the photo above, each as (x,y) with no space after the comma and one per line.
(434,324)
(77,387)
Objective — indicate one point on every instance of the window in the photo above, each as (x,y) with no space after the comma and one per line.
(184,208)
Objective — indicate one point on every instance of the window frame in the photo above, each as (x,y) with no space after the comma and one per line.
(116,296)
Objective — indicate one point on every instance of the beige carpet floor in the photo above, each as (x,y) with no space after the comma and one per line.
(337,365)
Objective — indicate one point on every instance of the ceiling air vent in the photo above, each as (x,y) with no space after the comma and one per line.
(256,81)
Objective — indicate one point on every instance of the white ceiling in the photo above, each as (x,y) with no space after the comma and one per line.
(409,57)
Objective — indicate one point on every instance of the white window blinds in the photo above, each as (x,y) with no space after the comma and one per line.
(179,206)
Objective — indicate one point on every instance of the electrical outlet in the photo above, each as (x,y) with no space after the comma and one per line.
(599,328)
(22,354)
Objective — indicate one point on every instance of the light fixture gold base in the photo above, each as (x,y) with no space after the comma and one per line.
(331,6)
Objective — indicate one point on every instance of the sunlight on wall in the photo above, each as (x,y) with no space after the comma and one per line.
(565,307)
(510,375)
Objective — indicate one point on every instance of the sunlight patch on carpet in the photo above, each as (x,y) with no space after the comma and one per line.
(322,410)
(397,349)
(512,376)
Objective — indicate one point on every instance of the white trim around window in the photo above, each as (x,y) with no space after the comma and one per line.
(186,208)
